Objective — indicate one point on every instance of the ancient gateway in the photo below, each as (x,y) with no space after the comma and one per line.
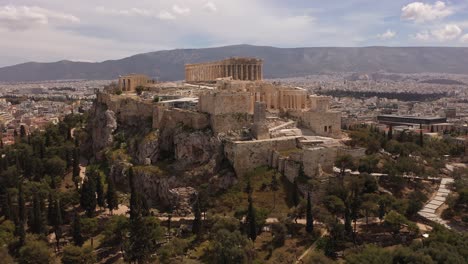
(247,69)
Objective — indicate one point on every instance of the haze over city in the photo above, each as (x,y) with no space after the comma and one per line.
(48,30)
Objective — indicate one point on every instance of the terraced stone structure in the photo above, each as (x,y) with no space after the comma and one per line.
(247,69)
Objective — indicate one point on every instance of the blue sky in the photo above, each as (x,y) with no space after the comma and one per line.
(96,30)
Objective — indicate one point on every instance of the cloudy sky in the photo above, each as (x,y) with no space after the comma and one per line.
(96,30)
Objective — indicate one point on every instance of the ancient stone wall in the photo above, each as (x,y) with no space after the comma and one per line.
(230,122)
(319,156)
(245,156)
(225,103)
(327,124)
(128,110)
(174,116)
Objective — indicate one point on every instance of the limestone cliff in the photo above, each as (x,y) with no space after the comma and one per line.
(101,127)
(169,162)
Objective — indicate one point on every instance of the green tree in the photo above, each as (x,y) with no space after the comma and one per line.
(227,247)
(77,237)
(395,221)
(55,166)
(252,224)
(73,255)
(197,221)
(344,162)
(143,239)
(309,216)
(88,196)
(111,196)
(22,131)
(37,221)
(58,222)
(34,252)
(21,204)
(139,89)
(76,167)
(101,201)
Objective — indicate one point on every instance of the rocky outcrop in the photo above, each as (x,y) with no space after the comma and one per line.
(102,126)
(147,152)
(197,148)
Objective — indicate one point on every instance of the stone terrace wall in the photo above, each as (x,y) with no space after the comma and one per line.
(174,116)
(224,103)
(128,110)
(230,122)
(245,156)
(312,157)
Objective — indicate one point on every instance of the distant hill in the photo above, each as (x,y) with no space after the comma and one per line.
(278,62)
(443,81)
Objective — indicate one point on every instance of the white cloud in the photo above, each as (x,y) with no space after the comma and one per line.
(180,10)
(26,17)
(125,12)
(464,38)
(389,34)
(166,15)
(420,12)
(423,35)
(210,6)
(448,32)
(442,34)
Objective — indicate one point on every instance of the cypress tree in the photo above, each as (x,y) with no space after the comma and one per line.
(37,225)
(77,237)
(58,222)
(51,210)
(196,225)
(295,198)
(6,206)
(21,204)
(111,196)
(76,167)
(22,131)
(101,201)
(309,216)
(252,226)
(88,196)
(421,136)
(21,233)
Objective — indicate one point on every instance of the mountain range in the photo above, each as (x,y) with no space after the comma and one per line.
(168,65)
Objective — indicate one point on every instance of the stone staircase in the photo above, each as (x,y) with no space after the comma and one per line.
(429,210)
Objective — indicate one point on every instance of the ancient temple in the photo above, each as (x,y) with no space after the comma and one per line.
(248,69)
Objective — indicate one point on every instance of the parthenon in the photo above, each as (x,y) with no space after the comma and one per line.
(248,69)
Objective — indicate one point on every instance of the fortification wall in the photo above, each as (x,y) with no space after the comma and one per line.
(312,157)
(172,117)
(230,122)
(247,155)
(225,102)
(326,124)
(129,110)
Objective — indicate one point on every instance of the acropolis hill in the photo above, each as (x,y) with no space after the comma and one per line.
(219,124)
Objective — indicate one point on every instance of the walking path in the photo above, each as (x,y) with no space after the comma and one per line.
(429,210)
